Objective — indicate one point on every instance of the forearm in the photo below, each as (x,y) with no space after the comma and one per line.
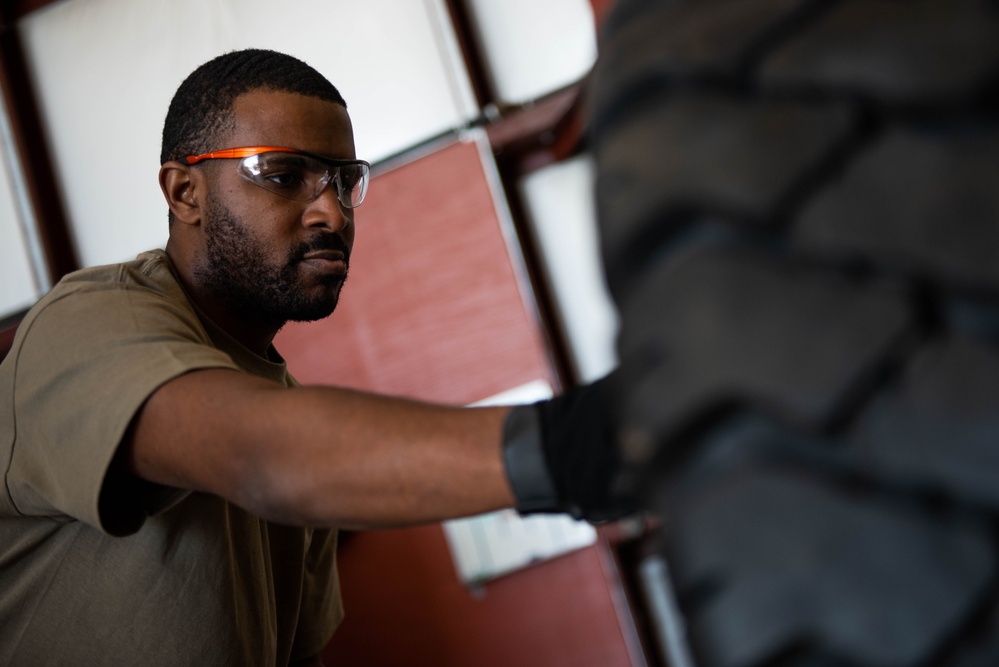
(361,460)
(320,456)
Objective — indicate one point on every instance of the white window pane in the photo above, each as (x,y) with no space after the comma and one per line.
(533,48)
(562,211)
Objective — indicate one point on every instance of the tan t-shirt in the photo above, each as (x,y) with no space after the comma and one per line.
(101,570)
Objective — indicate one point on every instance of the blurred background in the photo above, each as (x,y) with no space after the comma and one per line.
(475,276)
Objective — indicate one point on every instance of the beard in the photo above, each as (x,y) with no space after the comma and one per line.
(237,271)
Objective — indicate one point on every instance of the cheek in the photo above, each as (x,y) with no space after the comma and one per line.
(348,234)
(253,205)
(271,224)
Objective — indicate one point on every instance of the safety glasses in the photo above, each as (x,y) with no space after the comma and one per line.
(296,174)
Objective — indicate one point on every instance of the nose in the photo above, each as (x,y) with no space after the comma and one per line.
(326,211)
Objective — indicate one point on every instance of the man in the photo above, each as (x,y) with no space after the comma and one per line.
(171,494)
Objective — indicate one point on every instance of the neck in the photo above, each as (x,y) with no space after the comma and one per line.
(252,333)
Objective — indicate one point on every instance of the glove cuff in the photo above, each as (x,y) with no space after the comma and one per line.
(524,460)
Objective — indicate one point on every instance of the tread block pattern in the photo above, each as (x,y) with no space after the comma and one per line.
(800,215)
(896,51)
(923,203)
(707,153)
(937,429)
(769,559)
(729,326)
(671,41)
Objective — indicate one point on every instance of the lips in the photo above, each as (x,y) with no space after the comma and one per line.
(327,255)
(328,261)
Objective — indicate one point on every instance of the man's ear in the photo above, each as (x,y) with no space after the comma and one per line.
(182,187)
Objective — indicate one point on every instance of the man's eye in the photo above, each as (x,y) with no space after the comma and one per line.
(284,179)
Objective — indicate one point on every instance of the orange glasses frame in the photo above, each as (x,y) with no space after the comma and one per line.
(247,151)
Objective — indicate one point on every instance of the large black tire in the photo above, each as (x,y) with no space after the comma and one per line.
(799,210)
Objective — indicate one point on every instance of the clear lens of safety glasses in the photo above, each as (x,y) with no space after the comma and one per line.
(303,177)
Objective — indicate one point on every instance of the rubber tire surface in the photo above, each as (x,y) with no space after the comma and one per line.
(799,211)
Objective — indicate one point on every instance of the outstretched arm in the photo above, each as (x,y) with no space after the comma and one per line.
(320,456)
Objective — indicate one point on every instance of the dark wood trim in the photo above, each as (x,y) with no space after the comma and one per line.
(525,140)
(541,133)
(471,53)
(32,149)
(16,9)
(544,295)
(8,328)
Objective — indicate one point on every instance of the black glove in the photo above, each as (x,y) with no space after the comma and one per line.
(561,456)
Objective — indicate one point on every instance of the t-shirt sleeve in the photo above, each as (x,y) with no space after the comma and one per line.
(85,365)
(322,608)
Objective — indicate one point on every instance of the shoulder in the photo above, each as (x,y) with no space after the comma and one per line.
(150,272)
(138,297)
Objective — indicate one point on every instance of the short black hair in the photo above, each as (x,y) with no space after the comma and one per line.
(201,108)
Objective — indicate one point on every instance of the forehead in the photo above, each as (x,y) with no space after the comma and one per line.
(279,118)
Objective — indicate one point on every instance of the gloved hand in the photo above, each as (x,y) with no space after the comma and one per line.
(561,455)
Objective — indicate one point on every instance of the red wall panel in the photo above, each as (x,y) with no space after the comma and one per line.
(405,607)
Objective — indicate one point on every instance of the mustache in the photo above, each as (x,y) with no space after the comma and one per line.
(321,242)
